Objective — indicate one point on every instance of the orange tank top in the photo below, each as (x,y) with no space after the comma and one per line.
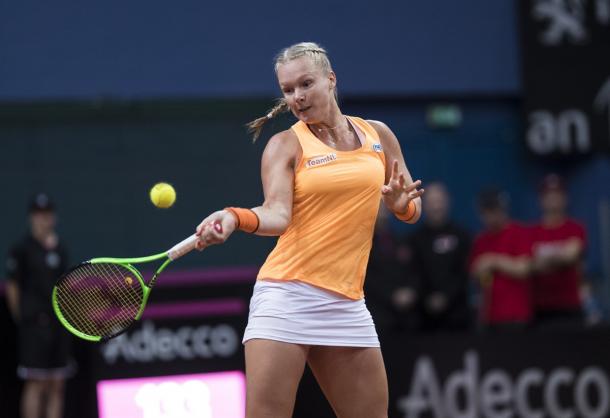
(335,203)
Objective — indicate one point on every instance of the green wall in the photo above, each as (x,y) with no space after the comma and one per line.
(99,160)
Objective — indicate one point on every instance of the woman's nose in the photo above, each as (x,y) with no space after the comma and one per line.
(299,95)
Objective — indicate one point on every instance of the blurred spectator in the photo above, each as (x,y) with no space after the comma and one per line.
(33,266)
(391,293)
(558,244)
(440,251)
(500,260)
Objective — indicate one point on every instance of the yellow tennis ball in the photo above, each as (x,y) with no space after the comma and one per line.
(162,195)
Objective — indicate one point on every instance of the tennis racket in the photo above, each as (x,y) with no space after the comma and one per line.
(101,298)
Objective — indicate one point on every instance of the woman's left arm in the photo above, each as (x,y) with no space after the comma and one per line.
(399,188)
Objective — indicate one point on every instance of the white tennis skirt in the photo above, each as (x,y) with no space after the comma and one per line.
(299,313)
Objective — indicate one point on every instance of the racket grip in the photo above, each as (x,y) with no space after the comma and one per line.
(188,245)
(183,247)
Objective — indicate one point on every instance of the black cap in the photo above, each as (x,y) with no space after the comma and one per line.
(493,198)
(41,202)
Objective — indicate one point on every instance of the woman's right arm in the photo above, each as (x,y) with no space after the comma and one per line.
(280,157)
(279,160)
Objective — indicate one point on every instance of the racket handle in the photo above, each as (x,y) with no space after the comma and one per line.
(183,247)
(188,245)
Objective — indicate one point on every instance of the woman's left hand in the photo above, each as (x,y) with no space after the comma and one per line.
(397,194)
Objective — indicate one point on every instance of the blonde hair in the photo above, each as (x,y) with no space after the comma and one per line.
(315,53)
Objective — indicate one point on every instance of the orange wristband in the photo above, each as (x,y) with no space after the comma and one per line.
(247,219)
(409,214)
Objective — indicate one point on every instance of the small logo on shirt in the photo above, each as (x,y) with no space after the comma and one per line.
(52,260)
(377,148)
(444,244)
(314,162)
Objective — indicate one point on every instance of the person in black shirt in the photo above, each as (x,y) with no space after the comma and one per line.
(33,266)
(440,251)
(391,293)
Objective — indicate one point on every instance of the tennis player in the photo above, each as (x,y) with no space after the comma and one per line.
(322,180)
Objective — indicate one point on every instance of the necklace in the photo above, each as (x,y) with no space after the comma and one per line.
(329,129)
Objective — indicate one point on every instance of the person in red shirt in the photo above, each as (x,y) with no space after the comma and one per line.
(500,260)
(558,243)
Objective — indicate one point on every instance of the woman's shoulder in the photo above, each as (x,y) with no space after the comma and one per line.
(385,134)
(284,138)
(379,126)
(284,143)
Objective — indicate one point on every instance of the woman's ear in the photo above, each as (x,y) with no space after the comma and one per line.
(333,79)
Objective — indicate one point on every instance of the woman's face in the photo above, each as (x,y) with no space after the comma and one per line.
(307,89)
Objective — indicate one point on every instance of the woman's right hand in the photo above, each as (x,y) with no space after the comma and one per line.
(215,229)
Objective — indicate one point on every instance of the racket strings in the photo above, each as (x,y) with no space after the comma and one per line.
(99,299)
(103,307)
